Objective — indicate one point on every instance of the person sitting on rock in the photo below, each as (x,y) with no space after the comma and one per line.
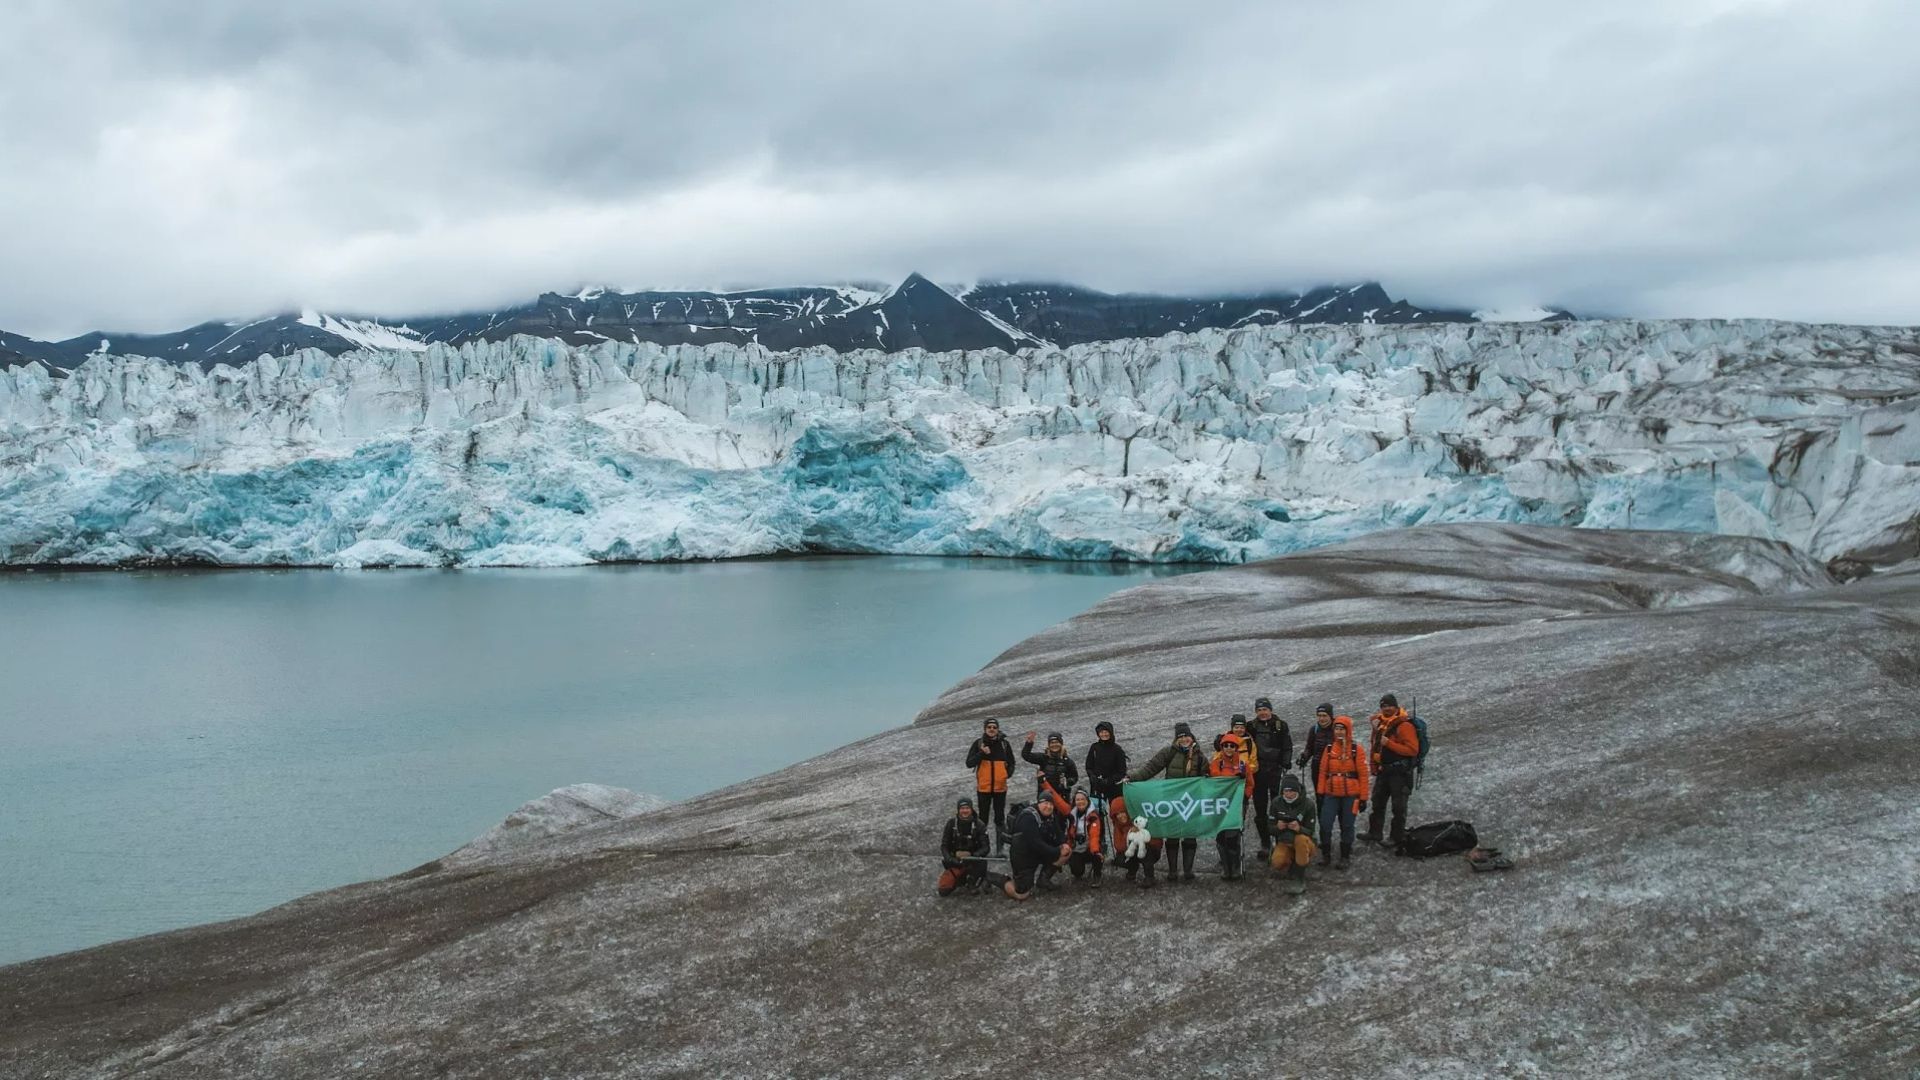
(1083,829)
(1319,734)
(1273,752)
(1106,764)
(1294,822)
(963,846)
(1342,789)
(991,759)
(1395,748)
(1056,767)
(1038,846)
(1228,763)
(1180,760)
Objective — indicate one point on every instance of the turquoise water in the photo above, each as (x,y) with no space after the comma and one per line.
(179,747)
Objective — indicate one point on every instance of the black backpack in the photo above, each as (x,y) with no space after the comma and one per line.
(1438,838)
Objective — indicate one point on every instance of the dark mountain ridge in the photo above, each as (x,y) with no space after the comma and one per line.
(914,314)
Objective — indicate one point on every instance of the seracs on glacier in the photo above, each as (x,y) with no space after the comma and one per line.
(1215,446)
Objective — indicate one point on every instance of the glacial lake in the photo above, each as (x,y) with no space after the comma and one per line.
(178,747)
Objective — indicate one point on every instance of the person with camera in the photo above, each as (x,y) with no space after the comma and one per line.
(963,849)
(1293,821)
(991,759)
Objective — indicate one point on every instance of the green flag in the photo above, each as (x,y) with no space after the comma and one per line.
(1176,809)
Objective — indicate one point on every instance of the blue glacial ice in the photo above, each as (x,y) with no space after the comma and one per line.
(1218,446)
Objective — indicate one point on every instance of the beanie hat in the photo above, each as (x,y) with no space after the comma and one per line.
(1324,708)
(963,804)
(1263,703)
(1238,718)
(1054,737)
(991,722)
(1389,701)
(1230,740)
(1291,782)
(1103,726)
(1183,728)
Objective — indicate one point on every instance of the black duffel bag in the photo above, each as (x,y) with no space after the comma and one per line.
(1438,838)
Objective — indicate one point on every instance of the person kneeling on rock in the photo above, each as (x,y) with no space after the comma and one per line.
(1293,822)
(1039,847)
(964,845)
(1083,837)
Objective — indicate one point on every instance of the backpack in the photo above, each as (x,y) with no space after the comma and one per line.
(1438,838)
(1420,729)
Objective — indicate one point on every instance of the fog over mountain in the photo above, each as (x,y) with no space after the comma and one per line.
(174,165)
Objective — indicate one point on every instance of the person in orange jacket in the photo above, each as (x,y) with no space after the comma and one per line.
(1228,762)
(1342,789)
(991,759)
(1084,826)
(1396,749)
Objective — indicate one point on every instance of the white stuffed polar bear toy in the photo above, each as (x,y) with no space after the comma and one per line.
(1137,839)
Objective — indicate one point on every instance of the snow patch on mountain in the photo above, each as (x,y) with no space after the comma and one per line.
(365,333)
(1520,314)
(1219,446)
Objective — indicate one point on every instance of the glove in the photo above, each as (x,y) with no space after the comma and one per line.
(1361,805)
(1300,762)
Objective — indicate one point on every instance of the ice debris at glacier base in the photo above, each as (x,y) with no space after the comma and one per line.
(1216,446)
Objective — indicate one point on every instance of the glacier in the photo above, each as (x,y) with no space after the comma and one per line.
(1215,446)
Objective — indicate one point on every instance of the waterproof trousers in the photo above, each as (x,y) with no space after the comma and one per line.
(1394,784)
(1297,852)
(996,802)
(1264,789)
(1337,809)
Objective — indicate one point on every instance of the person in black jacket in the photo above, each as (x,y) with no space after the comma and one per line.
(1038,846)
(1319,737)
(963,846)
(1056,767)
(991,759)
(1106,764)
(1274,744)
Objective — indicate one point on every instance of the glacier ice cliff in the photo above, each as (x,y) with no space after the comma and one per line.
(1216,446)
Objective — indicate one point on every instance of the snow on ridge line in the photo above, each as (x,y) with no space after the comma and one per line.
(365,333)
(1217,446)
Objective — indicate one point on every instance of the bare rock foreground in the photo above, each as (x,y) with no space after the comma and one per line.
(1701,752)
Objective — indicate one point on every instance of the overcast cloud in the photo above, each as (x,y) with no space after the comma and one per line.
(166,163)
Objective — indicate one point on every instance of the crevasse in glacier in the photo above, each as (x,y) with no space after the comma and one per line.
(1216,446)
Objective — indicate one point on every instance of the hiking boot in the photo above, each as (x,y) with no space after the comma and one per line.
(1370,838)
(1132,871)
(1326,857)
(1344,862)
(1147,882)
(1094,881)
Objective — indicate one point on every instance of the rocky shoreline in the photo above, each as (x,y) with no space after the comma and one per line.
(1700,750)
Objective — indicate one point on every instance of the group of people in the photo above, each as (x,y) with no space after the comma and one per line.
(1083,826)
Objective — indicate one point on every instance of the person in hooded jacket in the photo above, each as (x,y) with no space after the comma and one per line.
(1229,763)
(1273,748)
(991,759)
(1396,749)
(1036,849)
(1182,759)
(1342,789)
(1055,766)
(1319,734)
(1294,823)
(963,844)
(1106,764)
(1084,827)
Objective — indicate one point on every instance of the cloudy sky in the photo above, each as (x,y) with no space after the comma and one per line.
(171,162)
